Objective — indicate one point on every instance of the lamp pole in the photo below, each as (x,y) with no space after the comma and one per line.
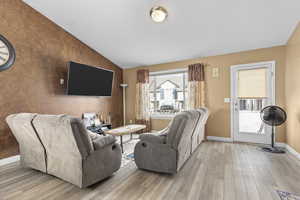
(124,86)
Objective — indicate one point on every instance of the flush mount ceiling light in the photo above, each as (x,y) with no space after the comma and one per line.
(158,14)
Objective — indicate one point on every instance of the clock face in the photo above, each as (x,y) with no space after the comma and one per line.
(7,54)
(4,53)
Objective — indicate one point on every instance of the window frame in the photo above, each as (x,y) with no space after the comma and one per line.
(167,72)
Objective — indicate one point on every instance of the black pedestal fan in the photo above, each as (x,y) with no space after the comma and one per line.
(273,116)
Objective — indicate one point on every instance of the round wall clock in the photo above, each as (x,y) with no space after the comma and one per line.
(7,54)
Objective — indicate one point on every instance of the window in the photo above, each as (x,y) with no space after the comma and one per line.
(168,92)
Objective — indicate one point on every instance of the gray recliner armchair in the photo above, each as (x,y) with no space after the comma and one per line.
(167,151)
(64,148)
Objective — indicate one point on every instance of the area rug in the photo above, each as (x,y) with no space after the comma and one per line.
(287,195)
(128,146)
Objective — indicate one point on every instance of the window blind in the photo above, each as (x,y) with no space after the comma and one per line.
(252,83)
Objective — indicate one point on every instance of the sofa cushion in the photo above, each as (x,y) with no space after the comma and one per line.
(176,129)
(204,114)
(32,155)
(83,139)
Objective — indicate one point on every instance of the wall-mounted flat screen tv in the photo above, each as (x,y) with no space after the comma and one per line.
(89,81)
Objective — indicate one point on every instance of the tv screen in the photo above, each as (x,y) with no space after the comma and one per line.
(89,81)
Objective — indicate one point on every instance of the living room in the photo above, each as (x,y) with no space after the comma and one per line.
(149,100)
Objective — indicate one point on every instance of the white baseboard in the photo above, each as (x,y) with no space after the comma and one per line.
(279,144)
(289,149)
(292,151)
(219,139)
(8,160)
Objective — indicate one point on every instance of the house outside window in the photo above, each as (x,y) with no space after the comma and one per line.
(168,93)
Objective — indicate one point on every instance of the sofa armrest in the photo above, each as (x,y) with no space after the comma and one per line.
(101,164)
(153,138)
(155,157)
(102,141)
(92,135)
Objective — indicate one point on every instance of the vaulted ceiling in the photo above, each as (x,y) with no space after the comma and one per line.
(123,31)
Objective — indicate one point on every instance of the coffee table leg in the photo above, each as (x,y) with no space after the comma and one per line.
(121,141)
(130,136)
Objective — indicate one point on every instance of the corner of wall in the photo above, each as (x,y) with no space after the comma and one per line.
(292,92)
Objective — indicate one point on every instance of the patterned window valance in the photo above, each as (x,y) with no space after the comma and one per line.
(142,76)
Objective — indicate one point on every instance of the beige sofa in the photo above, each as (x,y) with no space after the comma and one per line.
(167,151)
(61,146)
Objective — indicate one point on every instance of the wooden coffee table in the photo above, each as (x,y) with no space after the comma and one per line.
(125,130)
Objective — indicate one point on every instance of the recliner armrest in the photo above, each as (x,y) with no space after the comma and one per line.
(153,138)
(102,141)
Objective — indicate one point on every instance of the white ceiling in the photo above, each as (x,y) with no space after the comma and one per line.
(122,30)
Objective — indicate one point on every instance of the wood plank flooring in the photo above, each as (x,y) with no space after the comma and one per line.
(216,171)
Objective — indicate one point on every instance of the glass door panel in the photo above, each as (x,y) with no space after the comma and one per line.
(249,115)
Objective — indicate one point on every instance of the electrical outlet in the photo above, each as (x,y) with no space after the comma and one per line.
(226,100)
(215,72)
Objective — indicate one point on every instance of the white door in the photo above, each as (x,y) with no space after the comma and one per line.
(252,88)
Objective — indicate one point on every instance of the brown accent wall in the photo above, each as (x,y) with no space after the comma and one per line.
(217,88)
(292,90)
(32,84)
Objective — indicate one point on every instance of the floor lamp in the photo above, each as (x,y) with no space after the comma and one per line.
(124,86)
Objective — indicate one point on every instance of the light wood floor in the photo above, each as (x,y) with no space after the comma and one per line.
(216,171)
